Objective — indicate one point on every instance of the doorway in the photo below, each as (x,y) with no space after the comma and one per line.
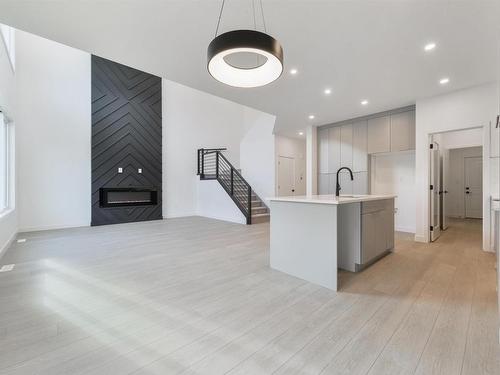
(456,179)
(286,176)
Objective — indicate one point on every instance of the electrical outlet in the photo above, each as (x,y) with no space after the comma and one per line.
(139,170)
(120,170)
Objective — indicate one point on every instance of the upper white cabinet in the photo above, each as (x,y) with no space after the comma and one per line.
(346,140)
(359,144)
(323,150)
(494,140)
(379,134)
(403,131)
(334,142)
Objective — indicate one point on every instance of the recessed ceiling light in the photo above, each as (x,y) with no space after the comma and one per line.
(444,81)
(328,91)
(430,46)
(293,71)
(364,102)
(301,133)
(311,117)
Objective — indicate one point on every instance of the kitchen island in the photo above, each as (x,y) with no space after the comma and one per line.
(312,236)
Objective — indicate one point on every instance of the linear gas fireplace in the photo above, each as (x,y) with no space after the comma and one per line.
(126,197)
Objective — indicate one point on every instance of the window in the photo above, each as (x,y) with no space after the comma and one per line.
(8,34)
(5,170)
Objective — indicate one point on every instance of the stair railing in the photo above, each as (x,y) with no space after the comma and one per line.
(213,165)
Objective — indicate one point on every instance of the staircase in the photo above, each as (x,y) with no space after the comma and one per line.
(213,165)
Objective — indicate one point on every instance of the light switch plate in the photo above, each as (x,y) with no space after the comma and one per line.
(120,170)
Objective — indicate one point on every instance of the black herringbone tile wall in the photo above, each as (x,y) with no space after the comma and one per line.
(126,133)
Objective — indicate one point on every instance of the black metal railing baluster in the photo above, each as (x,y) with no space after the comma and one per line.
(232,182)
(217,164)
(249,216)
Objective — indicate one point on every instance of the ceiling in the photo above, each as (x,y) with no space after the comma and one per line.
(360,49)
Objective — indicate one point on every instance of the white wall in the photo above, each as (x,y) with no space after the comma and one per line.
(455,202)
(257,148)
(464,109)
(193,119)
(8,220)
(53,123)
(54,139)
(312,160)
(296,149)
(394,173)
(461,139)
(214,202)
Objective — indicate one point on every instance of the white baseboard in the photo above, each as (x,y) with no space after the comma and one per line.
(53,227)
(405,229)
(7,244)
(241,220)
(179,214)
(420,238)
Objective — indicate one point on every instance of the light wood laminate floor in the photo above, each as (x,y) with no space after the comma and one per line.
(197,296)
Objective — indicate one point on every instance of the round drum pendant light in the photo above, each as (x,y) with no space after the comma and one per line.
(235,42)
(245,58)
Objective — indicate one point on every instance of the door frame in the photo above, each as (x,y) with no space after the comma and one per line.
(486,235)
(293,173)
(434,189)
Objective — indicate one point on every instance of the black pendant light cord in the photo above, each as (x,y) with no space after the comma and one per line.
(263,19)
(254,22)
(220,15)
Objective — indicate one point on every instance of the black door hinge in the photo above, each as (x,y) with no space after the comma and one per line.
(431,146)
(432,228)
(432,187)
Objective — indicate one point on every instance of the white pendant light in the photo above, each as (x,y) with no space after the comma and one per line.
(225,51)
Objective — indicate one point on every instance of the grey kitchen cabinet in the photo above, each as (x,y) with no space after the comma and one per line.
(379,135)
(359,147)
(323,151)
(346,140)
(402,131)
(366,233)
(334,149)
(377,230)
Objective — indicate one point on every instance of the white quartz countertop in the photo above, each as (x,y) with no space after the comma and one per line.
(331,199)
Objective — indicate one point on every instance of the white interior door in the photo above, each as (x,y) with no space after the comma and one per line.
(286,176)
(445,164)
(435,230)
(473,178)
